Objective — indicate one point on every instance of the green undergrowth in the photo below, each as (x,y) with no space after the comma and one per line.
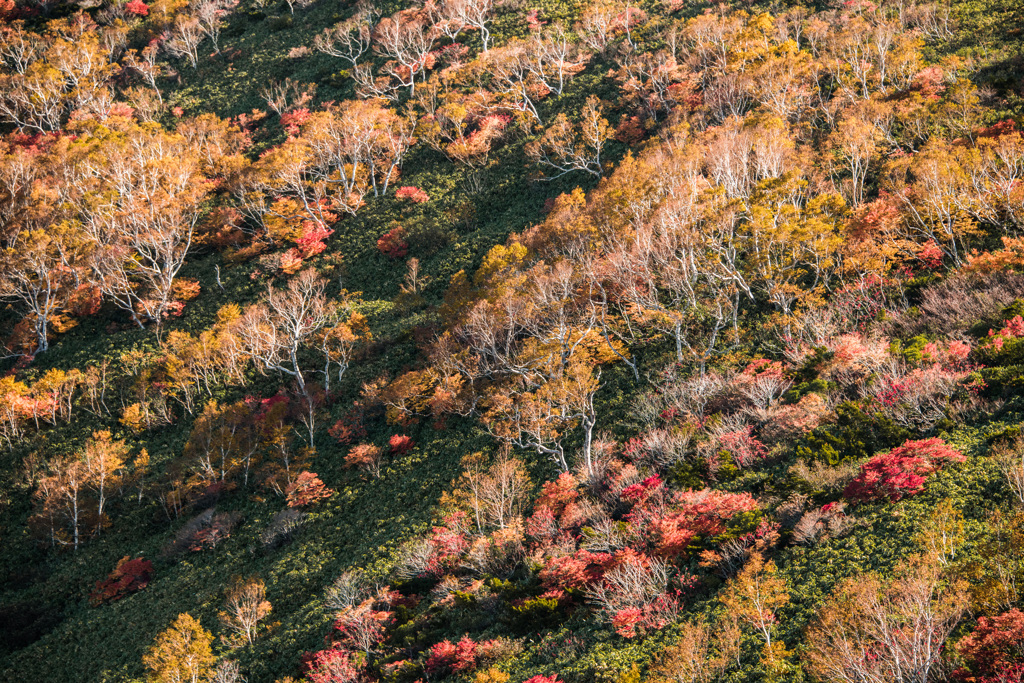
(47,625)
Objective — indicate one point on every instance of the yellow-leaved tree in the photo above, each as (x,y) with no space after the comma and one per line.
(754,598)
(181,653)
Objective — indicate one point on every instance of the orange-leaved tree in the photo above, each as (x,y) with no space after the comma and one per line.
(246,606)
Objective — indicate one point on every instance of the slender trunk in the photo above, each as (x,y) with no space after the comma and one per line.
(102,500)
(136,320)
(41,327)
(297,372)
(588,440)
(327,376)
(560,452)
(74,516)
(679,341)
(310,424)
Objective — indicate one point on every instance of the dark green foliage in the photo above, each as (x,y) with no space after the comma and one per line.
(688,474)
(855,435)
(535,614)
(910,350)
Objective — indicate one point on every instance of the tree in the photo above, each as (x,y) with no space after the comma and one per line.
(668,277)
(755,597)
(933,188)
(459,125)
(306,489)
(210,15)
(192,363)
(22,174)
(104,459)
(553,58)
(692,515)
(854,143)
(43,252)
(1010,458)
(447,657)
(246,606)
(633,594)
(19,47)
(127,577)
(332,666)
(514,79)
(65,69)
(901,471)
(365,456)
(783,81)
(865,53)
(405,39)
(339,342)
(272,332)
(496,494)
(349,39)
(565,148)
(227,671)
(791,245)
(886,632)
(605,20)
(659,81)
(145,64)
(539,418)
(459,15)
(14,404)
(184,39)
(223,439)
(61,495)
(343,154)
(361,626)
(995,171)
(531,341)
(993,651)
(36,274)
(56,392)
(181,653)
(140,213)
(701,655)
(348,590)
(942,534)
(288,96)
(282,461)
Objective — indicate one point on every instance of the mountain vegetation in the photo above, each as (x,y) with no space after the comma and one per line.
(512,341)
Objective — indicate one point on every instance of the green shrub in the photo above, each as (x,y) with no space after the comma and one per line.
(855,435)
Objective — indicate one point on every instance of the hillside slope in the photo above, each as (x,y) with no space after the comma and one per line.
(511,341)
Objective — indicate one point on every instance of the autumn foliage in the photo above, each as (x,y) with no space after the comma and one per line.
(696,283)
(902,471)
(400,443)
(413,194)
(448,657)
(365,456)
(392,243)
(331,666)
(307,489)
(129,576)
(182,652)
(246,606)
(994,651)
